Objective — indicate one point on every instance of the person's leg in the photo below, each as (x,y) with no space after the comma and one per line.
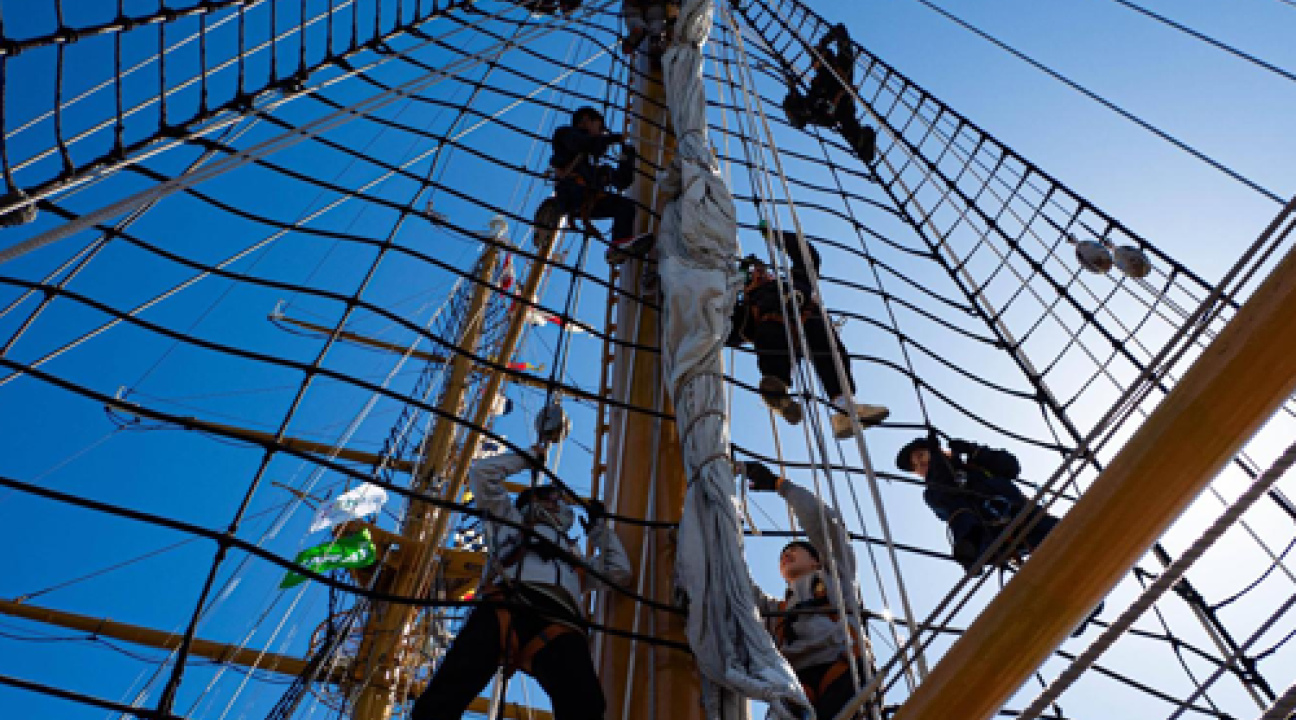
(654,14)
(969,539)
(835,696)
(623,215)
(468,666)
(841,691)
(622,211)
(861,138)
(823,340)
(633,15)
(624,244)
(1040,531)
(774,358)
(795,107)
(570,197)
(566,672)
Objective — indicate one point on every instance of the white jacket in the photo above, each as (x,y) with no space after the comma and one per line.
(486,478)
(817,637)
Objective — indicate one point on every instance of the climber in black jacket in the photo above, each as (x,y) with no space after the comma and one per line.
(829,103)
(587,189)
(971,488)
(760,317)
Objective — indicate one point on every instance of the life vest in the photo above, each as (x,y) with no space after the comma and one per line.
(819,604)
(515,655)
(763,309)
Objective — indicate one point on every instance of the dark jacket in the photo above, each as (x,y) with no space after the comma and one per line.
(987,474)
(762,299)
(575,160)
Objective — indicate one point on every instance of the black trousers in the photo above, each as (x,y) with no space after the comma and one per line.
(563,668)
(970,528)
(774,356)
(802,111)
(571,197)
(836,695)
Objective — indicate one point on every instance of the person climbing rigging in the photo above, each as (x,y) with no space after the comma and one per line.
(806,622)
(971,488)
(760,317)
(536,625)
(644,20)
(829,102)
(587,189)
(551,7)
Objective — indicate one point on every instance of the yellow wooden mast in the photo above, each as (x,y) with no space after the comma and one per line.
(645,469)
(1232,389)
(385,645)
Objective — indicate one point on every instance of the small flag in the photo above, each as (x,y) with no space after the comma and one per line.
(507,278)
(356,502)
(526,367)
(540,318)
(352,551)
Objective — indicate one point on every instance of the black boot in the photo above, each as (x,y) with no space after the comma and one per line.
(865,144)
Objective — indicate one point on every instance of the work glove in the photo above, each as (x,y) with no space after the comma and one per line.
(552,424)
(962,447)
(595,514)
(759,477)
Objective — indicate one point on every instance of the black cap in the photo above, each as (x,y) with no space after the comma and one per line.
(524,498)
(904,461)
(585,111)
(807,546)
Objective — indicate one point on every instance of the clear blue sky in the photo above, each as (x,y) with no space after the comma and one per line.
(1228,109)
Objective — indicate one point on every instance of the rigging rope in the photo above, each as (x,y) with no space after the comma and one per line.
(1176,142)
(1165,581)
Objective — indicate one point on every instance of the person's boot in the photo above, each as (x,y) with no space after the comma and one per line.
(966,552)
(624,249)
(796,114)
(775,394)
(868,415)
(865,145)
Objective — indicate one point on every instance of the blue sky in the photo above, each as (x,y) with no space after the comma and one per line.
(1228,109)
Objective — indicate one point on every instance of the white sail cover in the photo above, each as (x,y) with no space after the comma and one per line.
(697,244)
(355,503)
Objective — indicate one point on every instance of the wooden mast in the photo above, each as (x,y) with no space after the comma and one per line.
(384,646)
(387,625)
(1232,389)
(646,471)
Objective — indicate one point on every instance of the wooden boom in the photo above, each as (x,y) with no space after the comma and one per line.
(1234,387)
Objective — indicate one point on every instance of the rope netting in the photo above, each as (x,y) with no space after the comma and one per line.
(343,167)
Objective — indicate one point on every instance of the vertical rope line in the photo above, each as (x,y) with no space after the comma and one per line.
(851,618)
(58,91)
(301,39)
(879,509)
